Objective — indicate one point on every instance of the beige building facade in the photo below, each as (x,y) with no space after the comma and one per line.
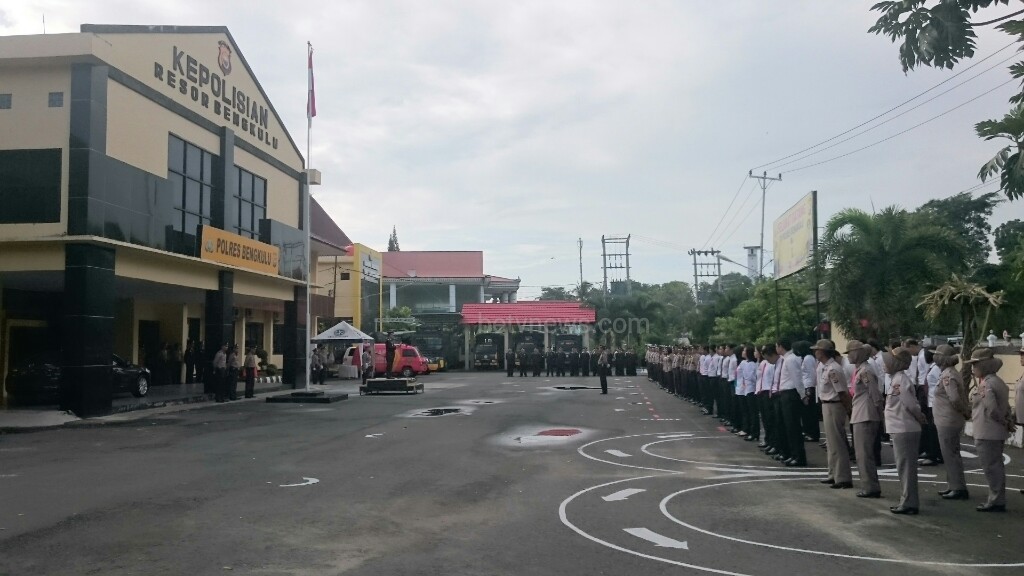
(150,197)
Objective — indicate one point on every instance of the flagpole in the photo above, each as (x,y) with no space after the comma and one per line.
(305,217)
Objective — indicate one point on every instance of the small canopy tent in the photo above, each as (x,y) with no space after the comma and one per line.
(343,332)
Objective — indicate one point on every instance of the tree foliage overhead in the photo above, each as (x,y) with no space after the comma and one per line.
(877,265)
(1008,238)
(968,217)
(940,33)
(555,293)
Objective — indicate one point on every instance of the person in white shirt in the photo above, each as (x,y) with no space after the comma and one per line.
(812,408)
(766,404)
(790,388)
(715,374)
(930,450)
(746,383)
(705,378)
(730,363)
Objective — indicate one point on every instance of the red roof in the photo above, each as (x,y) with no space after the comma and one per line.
(540,312)
(433,264)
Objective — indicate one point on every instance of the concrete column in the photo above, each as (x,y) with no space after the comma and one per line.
(586,337)
(481,299)
(295,337)
(451,298)
(547,338)
(468,342)
(392,296)
(512,298)
(86,386)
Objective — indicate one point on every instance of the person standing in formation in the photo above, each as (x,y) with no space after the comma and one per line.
(790,388)
(903,420)
(990,418)
(1019,395)
(537,360)
(250,372)
(866,417)
(835,405)
(574,363)
(220,373)
(524,360)
(584,363)
(950,410)
(510,362)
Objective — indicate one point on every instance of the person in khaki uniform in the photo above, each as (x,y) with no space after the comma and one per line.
(903,420)
(866,416)
(834,394)
(990,417)
(949,411)
(1019,401)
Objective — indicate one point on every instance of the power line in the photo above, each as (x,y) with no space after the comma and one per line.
(900,133)
(887,120)
(732,222)
(724,214)
(898,106)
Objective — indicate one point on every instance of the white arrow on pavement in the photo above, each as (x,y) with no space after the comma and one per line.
(622,494)
(657,539)
(308,482)
(617,453)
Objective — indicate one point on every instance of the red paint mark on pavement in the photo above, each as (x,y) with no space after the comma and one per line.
(723,429)
(559,432)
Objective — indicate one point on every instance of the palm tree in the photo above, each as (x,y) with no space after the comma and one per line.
(877,265)
(970,300)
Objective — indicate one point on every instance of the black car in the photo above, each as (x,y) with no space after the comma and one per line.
(38,380)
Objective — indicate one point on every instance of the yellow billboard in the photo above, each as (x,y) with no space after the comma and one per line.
(793,237)
(227,248)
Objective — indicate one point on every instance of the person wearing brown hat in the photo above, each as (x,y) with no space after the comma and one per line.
(903,420)
(949,411)
(835,399)
(1019,402)
(990,419)
(866,417)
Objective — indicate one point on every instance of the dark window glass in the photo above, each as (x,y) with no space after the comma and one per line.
(251,198)
(259,191)
(191,222)
(192,191)
(258,213)
(207,168)
(345,276)
(245,185)
(207,193)
(407,353)
(277,334)
(178,222)
(5,101)
(56,100)
(177,188)
(30,186)
(193,162)
(176,155)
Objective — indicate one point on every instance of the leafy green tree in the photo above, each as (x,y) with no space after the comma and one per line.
(399,319)
(968,217)
(1007,238)
(941,33)
(555,293)
(876,265)
(767,315)
(393,240)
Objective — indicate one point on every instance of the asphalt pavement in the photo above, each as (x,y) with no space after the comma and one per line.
(481,474)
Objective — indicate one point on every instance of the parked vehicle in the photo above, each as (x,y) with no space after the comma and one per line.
(489,351)
(528,341)
(408,361)
(37,381)
(430,343)
(567,342)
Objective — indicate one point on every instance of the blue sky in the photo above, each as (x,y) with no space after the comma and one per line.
(518,127)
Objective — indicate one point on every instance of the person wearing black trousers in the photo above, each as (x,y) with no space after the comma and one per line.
(510,362)
(602,368)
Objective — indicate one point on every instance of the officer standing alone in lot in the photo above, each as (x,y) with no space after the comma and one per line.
(602,368)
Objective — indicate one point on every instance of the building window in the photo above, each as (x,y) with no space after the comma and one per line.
(56,100)
(190,171)
(277,335)
(30,186)
(252,203)
(345,276)
(5,101)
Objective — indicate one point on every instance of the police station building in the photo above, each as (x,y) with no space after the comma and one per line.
(149,194)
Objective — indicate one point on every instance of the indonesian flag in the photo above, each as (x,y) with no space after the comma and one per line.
(311,98)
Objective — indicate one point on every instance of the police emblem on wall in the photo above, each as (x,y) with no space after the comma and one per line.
(340,332)
(224,57)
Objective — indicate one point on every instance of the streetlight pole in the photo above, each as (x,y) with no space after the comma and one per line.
(764,179)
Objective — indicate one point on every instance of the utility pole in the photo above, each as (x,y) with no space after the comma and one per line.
(710,267)
(617,259)
(764,180)
(580,242)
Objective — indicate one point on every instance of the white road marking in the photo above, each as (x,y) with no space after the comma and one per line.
(966,454)
(375,435)
(657,539)
(622,494)
(670,436)
(617,453)
(308,482)
(620,409)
